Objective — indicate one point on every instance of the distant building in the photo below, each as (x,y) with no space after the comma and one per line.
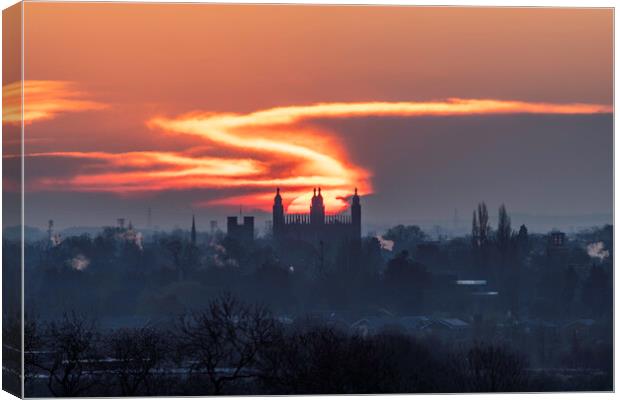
(241,232)
(557,250)
(556,239)
(317,227)
(193,231)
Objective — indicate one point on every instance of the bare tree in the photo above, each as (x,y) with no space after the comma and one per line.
(32,347)
(480,236)
(11,352)
(71,345)
(305,361)
(491,368)
(504,232)
(475,231)
(137,353)
(320,360)
(483,223)
(223,341)
(175,247)
(480,226)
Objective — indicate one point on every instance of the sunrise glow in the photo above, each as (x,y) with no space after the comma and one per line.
(264,149)
(43,99)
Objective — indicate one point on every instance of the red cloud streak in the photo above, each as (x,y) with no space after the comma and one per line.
(272,148)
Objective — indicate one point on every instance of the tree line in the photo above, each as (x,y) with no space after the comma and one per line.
(231,347)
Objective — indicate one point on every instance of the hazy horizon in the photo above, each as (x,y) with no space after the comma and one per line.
(425,110)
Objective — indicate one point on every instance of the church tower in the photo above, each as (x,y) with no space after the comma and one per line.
(317,209)
(278,214)
(316,226)
(193,233)
(356,214)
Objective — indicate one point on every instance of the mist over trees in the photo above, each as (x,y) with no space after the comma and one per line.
(123,311)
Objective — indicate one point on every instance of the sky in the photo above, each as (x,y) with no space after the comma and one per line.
(206,109)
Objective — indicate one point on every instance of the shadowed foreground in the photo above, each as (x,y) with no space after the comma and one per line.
(234,348)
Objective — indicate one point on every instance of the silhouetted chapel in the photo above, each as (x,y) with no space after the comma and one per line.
(316,227)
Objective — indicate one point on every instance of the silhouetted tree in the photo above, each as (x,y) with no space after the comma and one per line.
(504,232)
(483,223)
(507,275)
(569,286)
(597,291)
(371,256)
(480,236)
(405,237)
(522,243)
(491,368)
(72,345)
(403,271)
(475,231)
(480,226)
(138,352)
(175,246)
(324,360)
(406,281)
(223,341)
(32,346)
(11,349)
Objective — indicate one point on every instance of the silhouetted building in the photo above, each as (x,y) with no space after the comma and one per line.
(556,239)
(242,233)
(317,227)
(193,234)
(557,251)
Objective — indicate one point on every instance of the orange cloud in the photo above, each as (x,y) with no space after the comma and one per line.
(42,100)
(145,171)
(274,149)
(201,124)
(329,163)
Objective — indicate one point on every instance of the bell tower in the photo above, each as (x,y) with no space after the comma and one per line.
(278,214)
(317,209)
(356,214)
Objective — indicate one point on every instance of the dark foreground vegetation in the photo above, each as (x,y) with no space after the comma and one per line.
(500,309)
(234,348)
